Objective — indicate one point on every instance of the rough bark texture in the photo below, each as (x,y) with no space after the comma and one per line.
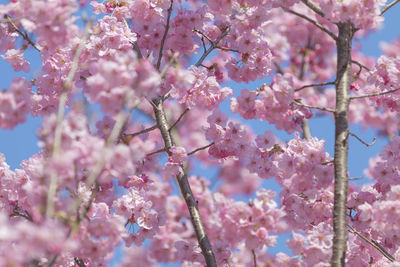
(341,143)
(184,186)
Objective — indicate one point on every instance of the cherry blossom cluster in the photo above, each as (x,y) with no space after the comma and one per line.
(16,103)
(363,15)
(88,191)
(198,88)
(273,103)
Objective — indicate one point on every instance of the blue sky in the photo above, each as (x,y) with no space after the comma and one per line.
(21,143)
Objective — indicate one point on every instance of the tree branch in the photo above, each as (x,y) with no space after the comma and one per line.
(313,7)
(319,26)
(160,54)
(213,46)
(314,85)
(375,94)
(24,35)
(373,243)
(386,8)
(363,142)
(200,148)
(184,186)
(179,119)
(343,78)
(296,102)
(67,86)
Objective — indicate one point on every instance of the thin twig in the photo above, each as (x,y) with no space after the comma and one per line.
(79,262)
(389,6)
(200,148)
(373,243)
(160,54)
(156,152)
(170,62)
(213,46)
(227,49)
(314,107)
(313,7)
(319,26)
(314,85)
(179,119)
(254,257)
(327,162)
(130,136)
(24,35)
(203,35)
(363,142)
(374,94)
(360,65)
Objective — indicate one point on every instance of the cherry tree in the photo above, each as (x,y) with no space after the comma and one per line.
(158,72)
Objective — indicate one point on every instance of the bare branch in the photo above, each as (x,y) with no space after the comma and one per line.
(203,35)
(319,26)
(127,137)
(184,186)
(375,94)
(360,65)
(200,148)
(313,7)
(228,49)
(24,35)
(373,243)
(213,46)
(79,262)
(254,258)
(160,54)
(314,85)
(179,119)
(391,4)
(363,142)
(296,102)
(156,152)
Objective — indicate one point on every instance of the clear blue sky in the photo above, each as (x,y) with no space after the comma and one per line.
(21,143)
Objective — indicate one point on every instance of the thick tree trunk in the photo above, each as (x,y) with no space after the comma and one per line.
(341,143)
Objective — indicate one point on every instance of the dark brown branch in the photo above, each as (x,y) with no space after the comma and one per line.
(184,186)
(200,148)
(314,85)
(375,94)
(254,258)
(362,66)
(313,107)
(373,243)
(313,7)
(179,119)
(79,262)
(319,26)
(227,49)
(128,137)
(156,152)
(160,54)
(24,35)
(386,8)
(363,142)
(203,35)
(213,46)
(343,77)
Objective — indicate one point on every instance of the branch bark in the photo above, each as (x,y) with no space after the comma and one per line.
(341,142)
(184,186)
